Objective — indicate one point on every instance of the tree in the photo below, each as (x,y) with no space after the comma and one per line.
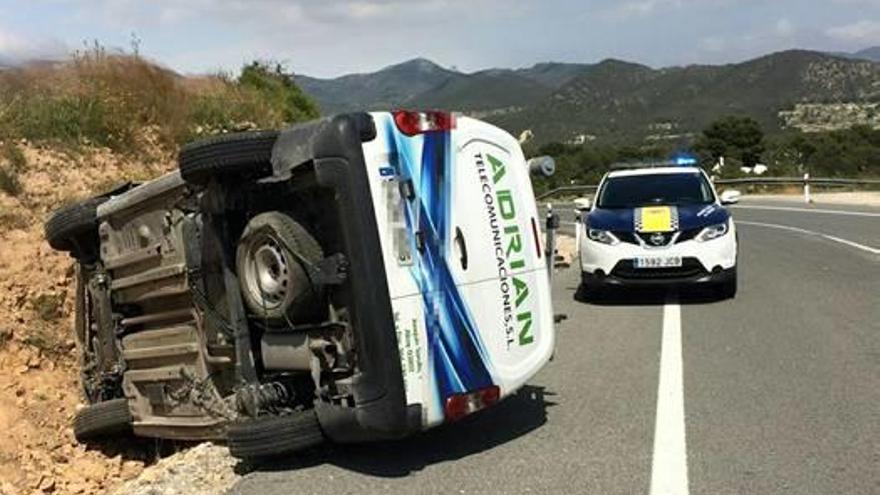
(276,85)
(735,137)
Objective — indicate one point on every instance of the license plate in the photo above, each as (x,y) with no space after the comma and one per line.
(657,262)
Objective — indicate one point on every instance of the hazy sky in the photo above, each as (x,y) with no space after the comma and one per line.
(331,37)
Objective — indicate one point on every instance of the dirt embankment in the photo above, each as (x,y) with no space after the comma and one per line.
(39,388)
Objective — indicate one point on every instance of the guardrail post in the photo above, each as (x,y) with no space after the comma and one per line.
(550,231)
(807,198)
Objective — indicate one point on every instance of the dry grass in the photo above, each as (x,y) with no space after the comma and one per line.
(127,103)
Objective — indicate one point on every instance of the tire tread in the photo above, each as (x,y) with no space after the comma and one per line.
(274,435)
(227,155)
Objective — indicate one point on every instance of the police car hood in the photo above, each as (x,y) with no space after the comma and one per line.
(688,217)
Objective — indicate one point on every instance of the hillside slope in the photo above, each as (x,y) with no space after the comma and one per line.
(611,99)
(39,389)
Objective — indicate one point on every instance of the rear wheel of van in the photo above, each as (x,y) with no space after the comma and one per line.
(272,259)
(74,228)
(240,154)
(101,420)
(269,436)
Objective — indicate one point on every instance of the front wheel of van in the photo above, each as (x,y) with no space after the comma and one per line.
(102,420)
(269,436)
(74,228)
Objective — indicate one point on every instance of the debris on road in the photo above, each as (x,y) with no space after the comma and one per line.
(207,469)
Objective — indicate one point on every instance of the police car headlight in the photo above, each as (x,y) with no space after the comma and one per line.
(712,232)
(603,236)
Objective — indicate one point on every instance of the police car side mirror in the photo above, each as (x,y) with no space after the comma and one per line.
(730,197)
(542,165)
(582,204)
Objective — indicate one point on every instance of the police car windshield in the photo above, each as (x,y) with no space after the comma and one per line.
(655,189)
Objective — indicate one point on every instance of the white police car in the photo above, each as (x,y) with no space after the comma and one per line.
(657,225)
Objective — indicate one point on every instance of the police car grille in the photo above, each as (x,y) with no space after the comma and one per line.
(652,239)
(627,237)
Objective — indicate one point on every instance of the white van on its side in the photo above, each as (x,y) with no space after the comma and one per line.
(359,277)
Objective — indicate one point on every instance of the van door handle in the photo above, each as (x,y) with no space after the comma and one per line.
(462,248)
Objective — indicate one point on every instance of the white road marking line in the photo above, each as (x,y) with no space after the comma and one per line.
(669,467)
(856,245)
(807,210)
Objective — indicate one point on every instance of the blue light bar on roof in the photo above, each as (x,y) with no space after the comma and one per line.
(685,160)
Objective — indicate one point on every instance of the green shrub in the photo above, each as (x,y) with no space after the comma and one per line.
(9,181)
(124,102)
(14,157)
(275,86)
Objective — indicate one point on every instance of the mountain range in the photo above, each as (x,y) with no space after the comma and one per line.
(613,99)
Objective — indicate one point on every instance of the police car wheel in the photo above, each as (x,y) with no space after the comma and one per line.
(588,290)
(727,289)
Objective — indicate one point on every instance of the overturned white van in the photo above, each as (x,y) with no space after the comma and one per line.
(359,277)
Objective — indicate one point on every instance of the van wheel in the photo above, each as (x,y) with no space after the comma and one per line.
(271,258)
(101,420)
(237,154)
(269,436)
(74,228)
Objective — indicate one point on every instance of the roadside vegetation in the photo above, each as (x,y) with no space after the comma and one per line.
(852,153)
(126,103)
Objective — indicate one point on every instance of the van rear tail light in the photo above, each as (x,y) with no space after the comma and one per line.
(414,123)
(460,405)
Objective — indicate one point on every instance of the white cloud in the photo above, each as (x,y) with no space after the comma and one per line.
(15,48)
(784,28)
(641,8)
(864,31)
(644,8)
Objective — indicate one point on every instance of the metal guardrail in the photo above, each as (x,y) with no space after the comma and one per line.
(563,189)
(805,181)
(819,181)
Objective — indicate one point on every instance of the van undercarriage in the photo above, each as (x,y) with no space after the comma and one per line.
(237,298)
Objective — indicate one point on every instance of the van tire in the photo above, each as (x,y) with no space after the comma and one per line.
(287,246)
(101,420)
(227,155)
(269,436)
(74,227)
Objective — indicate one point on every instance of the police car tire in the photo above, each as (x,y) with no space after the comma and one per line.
(101,420)
(227,155)
(269,436)
(727,290)
(587,291)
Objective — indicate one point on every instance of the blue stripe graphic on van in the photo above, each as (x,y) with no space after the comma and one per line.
(456,352)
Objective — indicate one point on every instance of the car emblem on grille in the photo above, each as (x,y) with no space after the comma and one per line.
(657,239)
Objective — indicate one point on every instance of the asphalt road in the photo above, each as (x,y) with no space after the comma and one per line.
(776,391)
